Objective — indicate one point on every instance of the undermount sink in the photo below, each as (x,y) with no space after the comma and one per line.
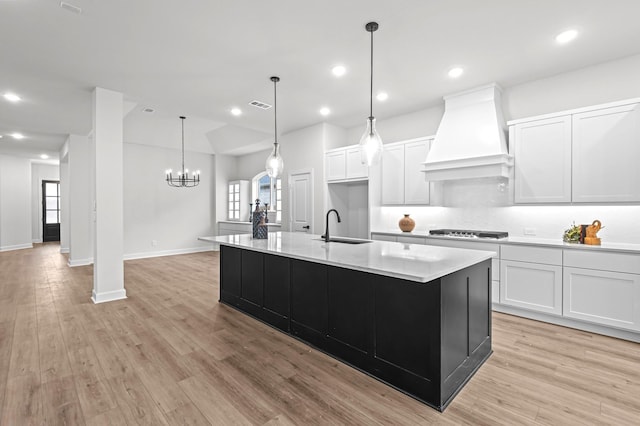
(345,240)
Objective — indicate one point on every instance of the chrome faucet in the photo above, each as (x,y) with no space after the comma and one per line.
(326,228)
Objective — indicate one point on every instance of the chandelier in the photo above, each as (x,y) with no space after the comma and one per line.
(183,179)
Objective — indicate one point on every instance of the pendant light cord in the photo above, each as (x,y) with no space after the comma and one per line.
(371,87)
(275,110)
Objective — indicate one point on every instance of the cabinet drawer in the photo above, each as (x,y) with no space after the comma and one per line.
(549,256)
(465,245)
(411,239)
(383,237)
(617,262)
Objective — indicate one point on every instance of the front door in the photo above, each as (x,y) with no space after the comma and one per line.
(50,210)
(301,185)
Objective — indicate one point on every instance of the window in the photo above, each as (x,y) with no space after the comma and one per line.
(269,191)
(234,201)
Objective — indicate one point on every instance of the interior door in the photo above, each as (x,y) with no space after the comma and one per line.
(301,202)
(50,210)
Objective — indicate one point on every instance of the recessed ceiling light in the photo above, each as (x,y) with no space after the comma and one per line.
(236,111)
(148,110)
(566,36)
(455,72)
(17,135)
(12,97)
(71,7)
(44,156)
(382,96)
(325,111)
(339,70)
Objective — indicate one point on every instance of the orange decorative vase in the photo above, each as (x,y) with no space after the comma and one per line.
(406,224)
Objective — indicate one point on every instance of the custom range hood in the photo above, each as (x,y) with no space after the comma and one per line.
(470,142)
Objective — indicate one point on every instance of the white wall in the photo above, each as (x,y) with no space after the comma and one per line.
(408,126)
(159,219)
(483,204)
(225,170)
(15,203)
(39,172)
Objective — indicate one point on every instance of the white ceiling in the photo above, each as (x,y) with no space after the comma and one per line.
(201,58)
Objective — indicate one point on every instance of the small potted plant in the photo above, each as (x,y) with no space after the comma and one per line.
(572,235)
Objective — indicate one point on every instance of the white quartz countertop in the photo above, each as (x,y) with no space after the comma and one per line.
(414,262)
(543,242)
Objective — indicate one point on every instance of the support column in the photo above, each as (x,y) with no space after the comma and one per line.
(108,268)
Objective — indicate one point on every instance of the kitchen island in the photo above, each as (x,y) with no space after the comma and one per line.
(415,317)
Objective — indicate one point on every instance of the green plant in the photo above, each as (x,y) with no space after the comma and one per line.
(572,235)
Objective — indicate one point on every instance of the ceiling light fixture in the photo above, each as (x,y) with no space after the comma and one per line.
(339,70)
(183,180)
(44,156)
(566,36)
(274,163)
(371,143)
(17,135)
(236,111)
(455,72)
(325,111)
(382,96)
(12,97)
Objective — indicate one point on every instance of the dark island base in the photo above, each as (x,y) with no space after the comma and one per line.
(424,339)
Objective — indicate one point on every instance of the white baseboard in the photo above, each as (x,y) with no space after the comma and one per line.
(64,250)
(80,262)
(17,247)
(145,255)
(569,322)
(108,296)
(37,240)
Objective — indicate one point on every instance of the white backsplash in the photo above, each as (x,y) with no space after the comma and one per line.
(486,205)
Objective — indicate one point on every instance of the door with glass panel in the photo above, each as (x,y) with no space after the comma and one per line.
(50,210)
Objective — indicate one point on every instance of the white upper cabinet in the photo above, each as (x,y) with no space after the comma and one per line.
(393,174)
(416,187)
(355,168)
(403,181)
(344,164)
(542,151)
(336,165)
(588,155)
(606,153)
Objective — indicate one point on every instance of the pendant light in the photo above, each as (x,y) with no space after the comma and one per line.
(274,163)
(370,142)
(183,179)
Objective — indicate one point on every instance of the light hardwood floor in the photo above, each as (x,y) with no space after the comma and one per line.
(171,354)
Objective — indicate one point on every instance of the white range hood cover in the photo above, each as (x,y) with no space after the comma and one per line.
(470,142)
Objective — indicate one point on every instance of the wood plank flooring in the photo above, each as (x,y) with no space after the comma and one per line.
(171,354)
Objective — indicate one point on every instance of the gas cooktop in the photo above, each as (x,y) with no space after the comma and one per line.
(465,233)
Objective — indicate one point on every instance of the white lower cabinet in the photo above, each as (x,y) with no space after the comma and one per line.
(534,286)
(603,297)
(531,278)
(603,288)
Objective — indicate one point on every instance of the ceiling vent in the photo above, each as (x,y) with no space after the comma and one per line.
(260,105)
(148,110)
(71,8)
